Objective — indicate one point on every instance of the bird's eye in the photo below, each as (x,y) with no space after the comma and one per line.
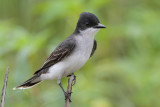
(87,24)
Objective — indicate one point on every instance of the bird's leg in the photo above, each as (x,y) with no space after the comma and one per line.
(67,95)
(74,80)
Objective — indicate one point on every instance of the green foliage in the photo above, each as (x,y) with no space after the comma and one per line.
(124,71)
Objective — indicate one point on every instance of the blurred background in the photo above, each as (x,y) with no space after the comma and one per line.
(124,71)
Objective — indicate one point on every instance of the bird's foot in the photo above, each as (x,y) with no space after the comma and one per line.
(74,79)
(68,96)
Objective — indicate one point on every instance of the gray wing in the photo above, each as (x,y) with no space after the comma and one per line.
(94,47)
(62,51)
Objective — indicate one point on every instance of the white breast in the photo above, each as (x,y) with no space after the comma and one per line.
(80,55)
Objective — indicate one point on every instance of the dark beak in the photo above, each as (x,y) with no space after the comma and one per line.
(99,26)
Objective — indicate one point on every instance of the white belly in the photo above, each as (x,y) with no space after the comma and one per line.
(72,63)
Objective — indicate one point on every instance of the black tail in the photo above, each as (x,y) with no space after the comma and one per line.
(29,83)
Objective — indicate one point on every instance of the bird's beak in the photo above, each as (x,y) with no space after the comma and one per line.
(99,26)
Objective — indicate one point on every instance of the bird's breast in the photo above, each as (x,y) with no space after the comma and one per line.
(80,54)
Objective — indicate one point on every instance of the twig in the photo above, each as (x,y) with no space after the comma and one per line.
(69,90)
(4,88)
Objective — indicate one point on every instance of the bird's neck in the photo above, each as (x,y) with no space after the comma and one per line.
(89,33)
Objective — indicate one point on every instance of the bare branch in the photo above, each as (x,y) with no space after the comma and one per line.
(69,90)
(4,88)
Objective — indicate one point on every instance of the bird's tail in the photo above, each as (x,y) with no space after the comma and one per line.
(29,83)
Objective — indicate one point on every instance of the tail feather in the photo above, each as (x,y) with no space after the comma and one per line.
(29,83)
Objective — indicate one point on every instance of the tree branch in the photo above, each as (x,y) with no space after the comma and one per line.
(4,88)
(69,90)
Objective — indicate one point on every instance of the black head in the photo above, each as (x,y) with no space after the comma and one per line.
(88,20)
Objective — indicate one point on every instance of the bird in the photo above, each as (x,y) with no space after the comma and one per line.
(70,55)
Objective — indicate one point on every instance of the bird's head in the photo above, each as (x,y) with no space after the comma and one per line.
(88,21)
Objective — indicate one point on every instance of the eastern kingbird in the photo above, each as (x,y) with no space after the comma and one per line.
(70,55)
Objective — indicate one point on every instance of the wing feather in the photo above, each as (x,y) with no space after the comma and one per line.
(62,51)
(94,48)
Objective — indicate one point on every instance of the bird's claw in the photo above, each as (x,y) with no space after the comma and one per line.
(68,96)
